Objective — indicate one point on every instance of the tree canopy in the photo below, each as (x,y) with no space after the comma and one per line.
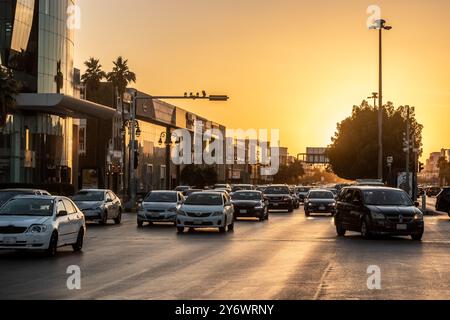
(199,176)
(290,174)
(353,153)
(9,89)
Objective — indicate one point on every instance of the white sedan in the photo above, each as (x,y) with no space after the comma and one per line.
(41,223)
(206,210)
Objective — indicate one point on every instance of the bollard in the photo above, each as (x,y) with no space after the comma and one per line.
(424,203)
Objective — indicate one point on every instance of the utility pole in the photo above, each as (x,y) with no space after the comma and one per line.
(133,151)
(407,149)
(374,97)
(380,25)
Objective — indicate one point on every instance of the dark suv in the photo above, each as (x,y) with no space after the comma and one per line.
(279,197)
(443,201)
(378,211)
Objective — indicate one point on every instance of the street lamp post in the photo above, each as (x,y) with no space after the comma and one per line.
(380,25)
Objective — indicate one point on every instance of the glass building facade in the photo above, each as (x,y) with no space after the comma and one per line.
(37,148)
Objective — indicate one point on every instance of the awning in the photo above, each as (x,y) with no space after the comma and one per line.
(62,105)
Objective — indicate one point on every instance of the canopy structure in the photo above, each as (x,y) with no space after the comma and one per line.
(62,105)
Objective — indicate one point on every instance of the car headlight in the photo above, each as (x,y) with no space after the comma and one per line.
(181,212)
(418,216)
(37,228)
(217,214)
(378,216)
(259,206)
(310,204)
(333,204)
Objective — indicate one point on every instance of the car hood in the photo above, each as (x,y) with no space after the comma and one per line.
(195,208)
(394,210)
(158,205)
(22,221)
(83,205)
(321,201)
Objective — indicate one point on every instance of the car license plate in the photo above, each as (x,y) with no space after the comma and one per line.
(9,241)
(402,227)
(197,222)
(275,204)
(154,215)
(321,208)
(244,211)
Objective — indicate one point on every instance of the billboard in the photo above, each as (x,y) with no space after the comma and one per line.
(317,156)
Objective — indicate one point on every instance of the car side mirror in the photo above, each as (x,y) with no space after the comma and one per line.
(62,213)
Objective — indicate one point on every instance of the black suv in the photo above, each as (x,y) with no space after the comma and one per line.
(443,201)
(279,197)
(378,211)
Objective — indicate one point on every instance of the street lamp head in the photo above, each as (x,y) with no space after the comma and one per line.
(380,24)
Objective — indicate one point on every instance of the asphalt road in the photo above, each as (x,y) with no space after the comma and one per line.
(289,257)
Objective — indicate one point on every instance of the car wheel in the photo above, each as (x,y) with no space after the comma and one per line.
(180,230)
(417,237)
(340,230)
(53,245)
(365,232)
(104,219)
(118,219)
(78,246)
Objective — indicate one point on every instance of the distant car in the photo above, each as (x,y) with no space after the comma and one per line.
(99,205)
(302,192)
(239,187)
(206,210)
(320,201)
(41,223)
(378,211)
(182,188)
(261,188)
(222,187)
(370,183)
(7,194)
(250,204)
(279,197)
(433,191)
(160,206)
(187,193)
(443,201)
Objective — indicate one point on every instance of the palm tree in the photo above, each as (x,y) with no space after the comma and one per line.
(93,75)
(121,76)
(9,89)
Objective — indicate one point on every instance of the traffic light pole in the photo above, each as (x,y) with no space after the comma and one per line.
(133,153)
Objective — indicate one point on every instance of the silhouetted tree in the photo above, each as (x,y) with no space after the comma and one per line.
(9,89)
(199,176)
(290,174)
(121,76)
(353,153)
(92,76)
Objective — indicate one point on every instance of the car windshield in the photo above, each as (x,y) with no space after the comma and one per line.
(28,207)
(239,188)
(89,196)
(201,199)
(387,198)
(161,197)
(255,196)
(6,195)
(321,195)
(277,190)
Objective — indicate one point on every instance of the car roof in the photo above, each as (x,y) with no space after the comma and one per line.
(211,192)
(164,191)
(369,188)
(321,190)
(247,191)
(90,190)
(22,190)
(38,197)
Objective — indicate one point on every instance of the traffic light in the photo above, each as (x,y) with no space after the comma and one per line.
(421,167)
(136,160)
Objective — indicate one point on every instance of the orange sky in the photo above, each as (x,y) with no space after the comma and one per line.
(295,65)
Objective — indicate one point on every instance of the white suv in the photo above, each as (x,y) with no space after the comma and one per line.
(41,223)
(206,210)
